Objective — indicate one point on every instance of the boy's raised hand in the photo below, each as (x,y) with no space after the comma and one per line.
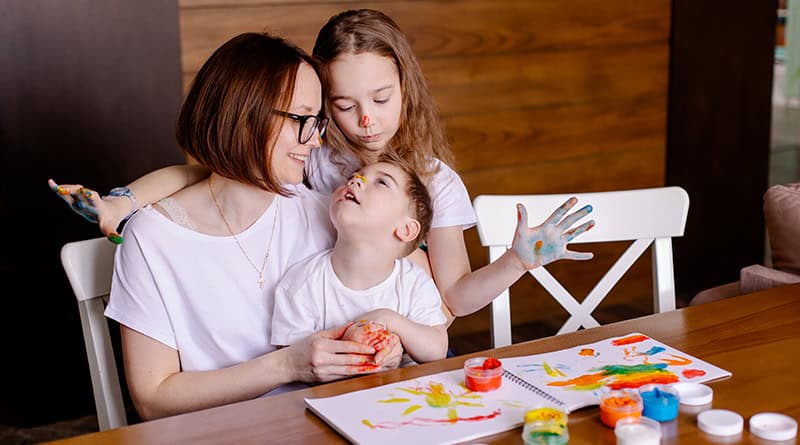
(87,203)
(543,244)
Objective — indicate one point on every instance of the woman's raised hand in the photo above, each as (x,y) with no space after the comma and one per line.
(107,212)
(543,244)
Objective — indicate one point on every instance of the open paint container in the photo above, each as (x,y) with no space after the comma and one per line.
(619,404)
(545,426)
(483,374)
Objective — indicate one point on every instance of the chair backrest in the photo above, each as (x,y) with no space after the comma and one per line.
(89,265)
(644,216)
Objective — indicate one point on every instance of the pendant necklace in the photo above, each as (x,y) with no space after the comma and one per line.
(260,272)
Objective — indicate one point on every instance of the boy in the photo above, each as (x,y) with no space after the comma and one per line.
(380,214)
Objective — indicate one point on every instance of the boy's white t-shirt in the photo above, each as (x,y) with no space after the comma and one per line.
(311,298)
(327,170)
(198,294)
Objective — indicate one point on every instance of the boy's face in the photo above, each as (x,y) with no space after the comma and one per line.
(374,201)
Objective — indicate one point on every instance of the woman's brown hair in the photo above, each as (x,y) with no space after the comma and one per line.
(420,136)
(227,121)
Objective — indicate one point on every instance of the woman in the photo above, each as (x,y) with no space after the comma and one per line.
(194,281)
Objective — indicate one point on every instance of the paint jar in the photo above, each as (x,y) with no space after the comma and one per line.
(545,426)
(660,402)
(637,431)
(619,404)
(483,374)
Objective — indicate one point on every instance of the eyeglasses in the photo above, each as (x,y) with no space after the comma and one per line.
(308,124)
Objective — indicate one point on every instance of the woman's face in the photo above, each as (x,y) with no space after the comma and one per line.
(366,99)
(289,155)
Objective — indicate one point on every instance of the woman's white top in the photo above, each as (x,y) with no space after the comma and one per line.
(198,294)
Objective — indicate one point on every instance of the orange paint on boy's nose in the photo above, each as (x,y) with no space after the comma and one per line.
(365,121)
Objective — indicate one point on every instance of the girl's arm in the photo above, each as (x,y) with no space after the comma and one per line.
(158,388)
(465,292)
(109,211)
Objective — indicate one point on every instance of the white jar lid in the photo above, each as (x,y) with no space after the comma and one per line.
(720,422)
(693,393)
(773,426)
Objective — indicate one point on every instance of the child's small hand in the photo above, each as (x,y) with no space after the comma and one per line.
(367,332)
(541,245)
(90,206)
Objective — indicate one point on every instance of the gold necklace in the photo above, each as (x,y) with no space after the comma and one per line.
(260,272)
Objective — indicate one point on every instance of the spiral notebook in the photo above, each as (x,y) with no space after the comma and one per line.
(439,409)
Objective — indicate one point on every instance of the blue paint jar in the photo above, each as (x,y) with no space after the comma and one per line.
(660,402)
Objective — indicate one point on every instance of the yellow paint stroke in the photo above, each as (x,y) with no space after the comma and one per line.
(677,361)
(471,396)
(513,404)
(469,404)
(552,372)
(411,409)
(437,397)
(395,400)
(368,423)
(452,415)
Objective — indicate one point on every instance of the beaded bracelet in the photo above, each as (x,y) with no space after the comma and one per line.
(125,191)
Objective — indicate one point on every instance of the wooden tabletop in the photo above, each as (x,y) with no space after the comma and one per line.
(755,336)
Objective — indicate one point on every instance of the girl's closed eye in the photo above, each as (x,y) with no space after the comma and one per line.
(381,101)
(345,107)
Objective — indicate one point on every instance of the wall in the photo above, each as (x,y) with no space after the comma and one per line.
(89,91)
(538,97)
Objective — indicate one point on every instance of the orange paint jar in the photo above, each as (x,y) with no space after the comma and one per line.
(619,404)
(483,374)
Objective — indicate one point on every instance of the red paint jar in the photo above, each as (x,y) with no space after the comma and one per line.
(483,374)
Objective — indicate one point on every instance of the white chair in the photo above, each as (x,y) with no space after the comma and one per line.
(645,216)
(89,265)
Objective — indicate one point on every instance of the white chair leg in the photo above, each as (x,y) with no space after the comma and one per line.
(105,379)
(663,276)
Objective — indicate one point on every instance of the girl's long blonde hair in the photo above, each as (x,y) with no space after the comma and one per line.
(420,136)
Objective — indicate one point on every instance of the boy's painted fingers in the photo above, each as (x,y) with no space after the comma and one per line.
(574,217)
(562,210)
(577,256)
(572,234)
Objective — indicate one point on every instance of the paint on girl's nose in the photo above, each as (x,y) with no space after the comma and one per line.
(365,121)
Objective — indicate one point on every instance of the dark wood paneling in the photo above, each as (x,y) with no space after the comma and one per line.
(534,136)
(88,91)
(457,29)
(719,130)
(537,96)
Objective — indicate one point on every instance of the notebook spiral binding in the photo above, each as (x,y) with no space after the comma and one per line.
(533,388)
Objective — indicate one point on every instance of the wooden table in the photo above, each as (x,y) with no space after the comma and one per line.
(756,337)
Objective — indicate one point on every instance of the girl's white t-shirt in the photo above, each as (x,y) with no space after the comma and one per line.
(327,170)
(198,294)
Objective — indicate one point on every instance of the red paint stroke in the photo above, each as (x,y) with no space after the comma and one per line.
(538,246)
(630,340)
(692,373)
(421,421)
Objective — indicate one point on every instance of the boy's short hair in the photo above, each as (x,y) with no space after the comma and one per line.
(421,204)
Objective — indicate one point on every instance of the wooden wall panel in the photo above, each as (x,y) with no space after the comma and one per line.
(537,96)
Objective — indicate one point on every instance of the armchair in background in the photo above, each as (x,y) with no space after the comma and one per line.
(782,217)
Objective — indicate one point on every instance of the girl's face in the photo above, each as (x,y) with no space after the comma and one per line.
(289,155)
(366,98)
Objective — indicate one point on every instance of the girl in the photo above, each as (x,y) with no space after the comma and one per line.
(193,284)
(379,102)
